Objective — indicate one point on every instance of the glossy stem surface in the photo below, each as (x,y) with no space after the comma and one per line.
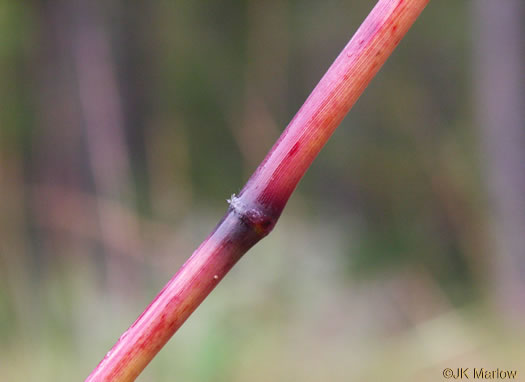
(253,213)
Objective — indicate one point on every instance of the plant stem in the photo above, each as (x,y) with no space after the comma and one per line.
(253,213)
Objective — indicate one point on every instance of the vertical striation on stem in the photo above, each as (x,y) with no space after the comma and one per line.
(253,213)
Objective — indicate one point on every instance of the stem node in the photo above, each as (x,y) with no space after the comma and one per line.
(254,216)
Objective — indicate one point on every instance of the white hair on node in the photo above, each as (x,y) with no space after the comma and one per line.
(241,209)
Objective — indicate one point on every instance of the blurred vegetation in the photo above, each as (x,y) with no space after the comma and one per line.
(124,126)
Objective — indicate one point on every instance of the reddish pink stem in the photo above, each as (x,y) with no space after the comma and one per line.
(253,214)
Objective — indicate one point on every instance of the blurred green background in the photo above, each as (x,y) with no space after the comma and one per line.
(125,126)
